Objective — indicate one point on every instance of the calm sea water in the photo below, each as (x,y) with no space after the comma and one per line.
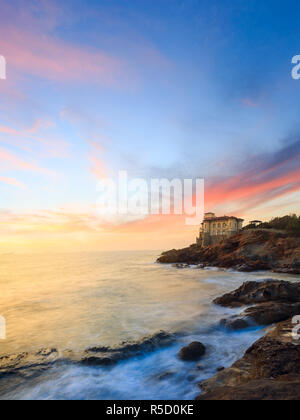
(74,301)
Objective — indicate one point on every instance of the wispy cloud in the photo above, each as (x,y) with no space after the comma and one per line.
(11,161)
(13,182)
(42,56)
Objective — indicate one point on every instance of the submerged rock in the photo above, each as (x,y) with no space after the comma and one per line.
(192,352)
(110,355)
(28,364)
(32,364)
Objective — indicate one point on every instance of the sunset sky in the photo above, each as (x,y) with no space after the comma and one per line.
(174,89)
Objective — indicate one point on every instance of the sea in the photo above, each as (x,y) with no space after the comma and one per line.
(74,301)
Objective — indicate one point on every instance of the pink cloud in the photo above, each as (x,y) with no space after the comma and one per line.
(13,182)
(37,134)
(43,56)
(10,161)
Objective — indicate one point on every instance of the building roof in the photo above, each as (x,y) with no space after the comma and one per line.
(219,219)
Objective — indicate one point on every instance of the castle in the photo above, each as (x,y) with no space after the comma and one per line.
(214,229)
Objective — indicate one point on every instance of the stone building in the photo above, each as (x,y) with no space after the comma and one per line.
(214,229)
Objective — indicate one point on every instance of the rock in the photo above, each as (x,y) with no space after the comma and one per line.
(220,369)
(109,356)
(272,312)
(262,314)
(261,390)
(269,370)
(253,266)
(28,364)
(32,364)
(259,292)
(200,266)
(234,323)
(192,352)
(181,265)
(247,251)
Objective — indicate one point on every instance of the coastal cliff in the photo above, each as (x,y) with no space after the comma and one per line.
(249,250)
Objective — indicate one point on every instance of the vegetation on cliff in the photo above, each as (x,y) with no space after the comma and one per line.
(289,224)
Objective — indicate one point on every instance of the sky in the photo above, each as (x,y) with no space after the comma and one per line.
(178,89)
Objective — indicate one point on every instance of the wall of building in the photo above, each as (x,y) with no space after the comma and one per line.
(213,231)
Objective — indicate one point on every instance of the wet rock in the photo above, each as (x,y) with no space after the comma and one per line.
(32,364)
(250,266)
(260,292)
(111,355)
(220,369)
(235,323)
(192,352)
(269,370)
(200,266)
(181,265)
(272,312)
(28,364)
(262,314)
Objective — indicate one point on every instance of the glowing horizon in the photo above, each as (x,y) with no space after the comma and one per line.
(94,87)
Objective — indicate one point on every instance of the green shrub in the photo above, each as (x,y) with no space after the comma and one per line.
(290,224)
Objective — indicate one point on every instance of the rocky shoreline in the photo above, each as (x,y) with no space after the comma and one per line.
(25,365)
(270,368)
(250,250)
